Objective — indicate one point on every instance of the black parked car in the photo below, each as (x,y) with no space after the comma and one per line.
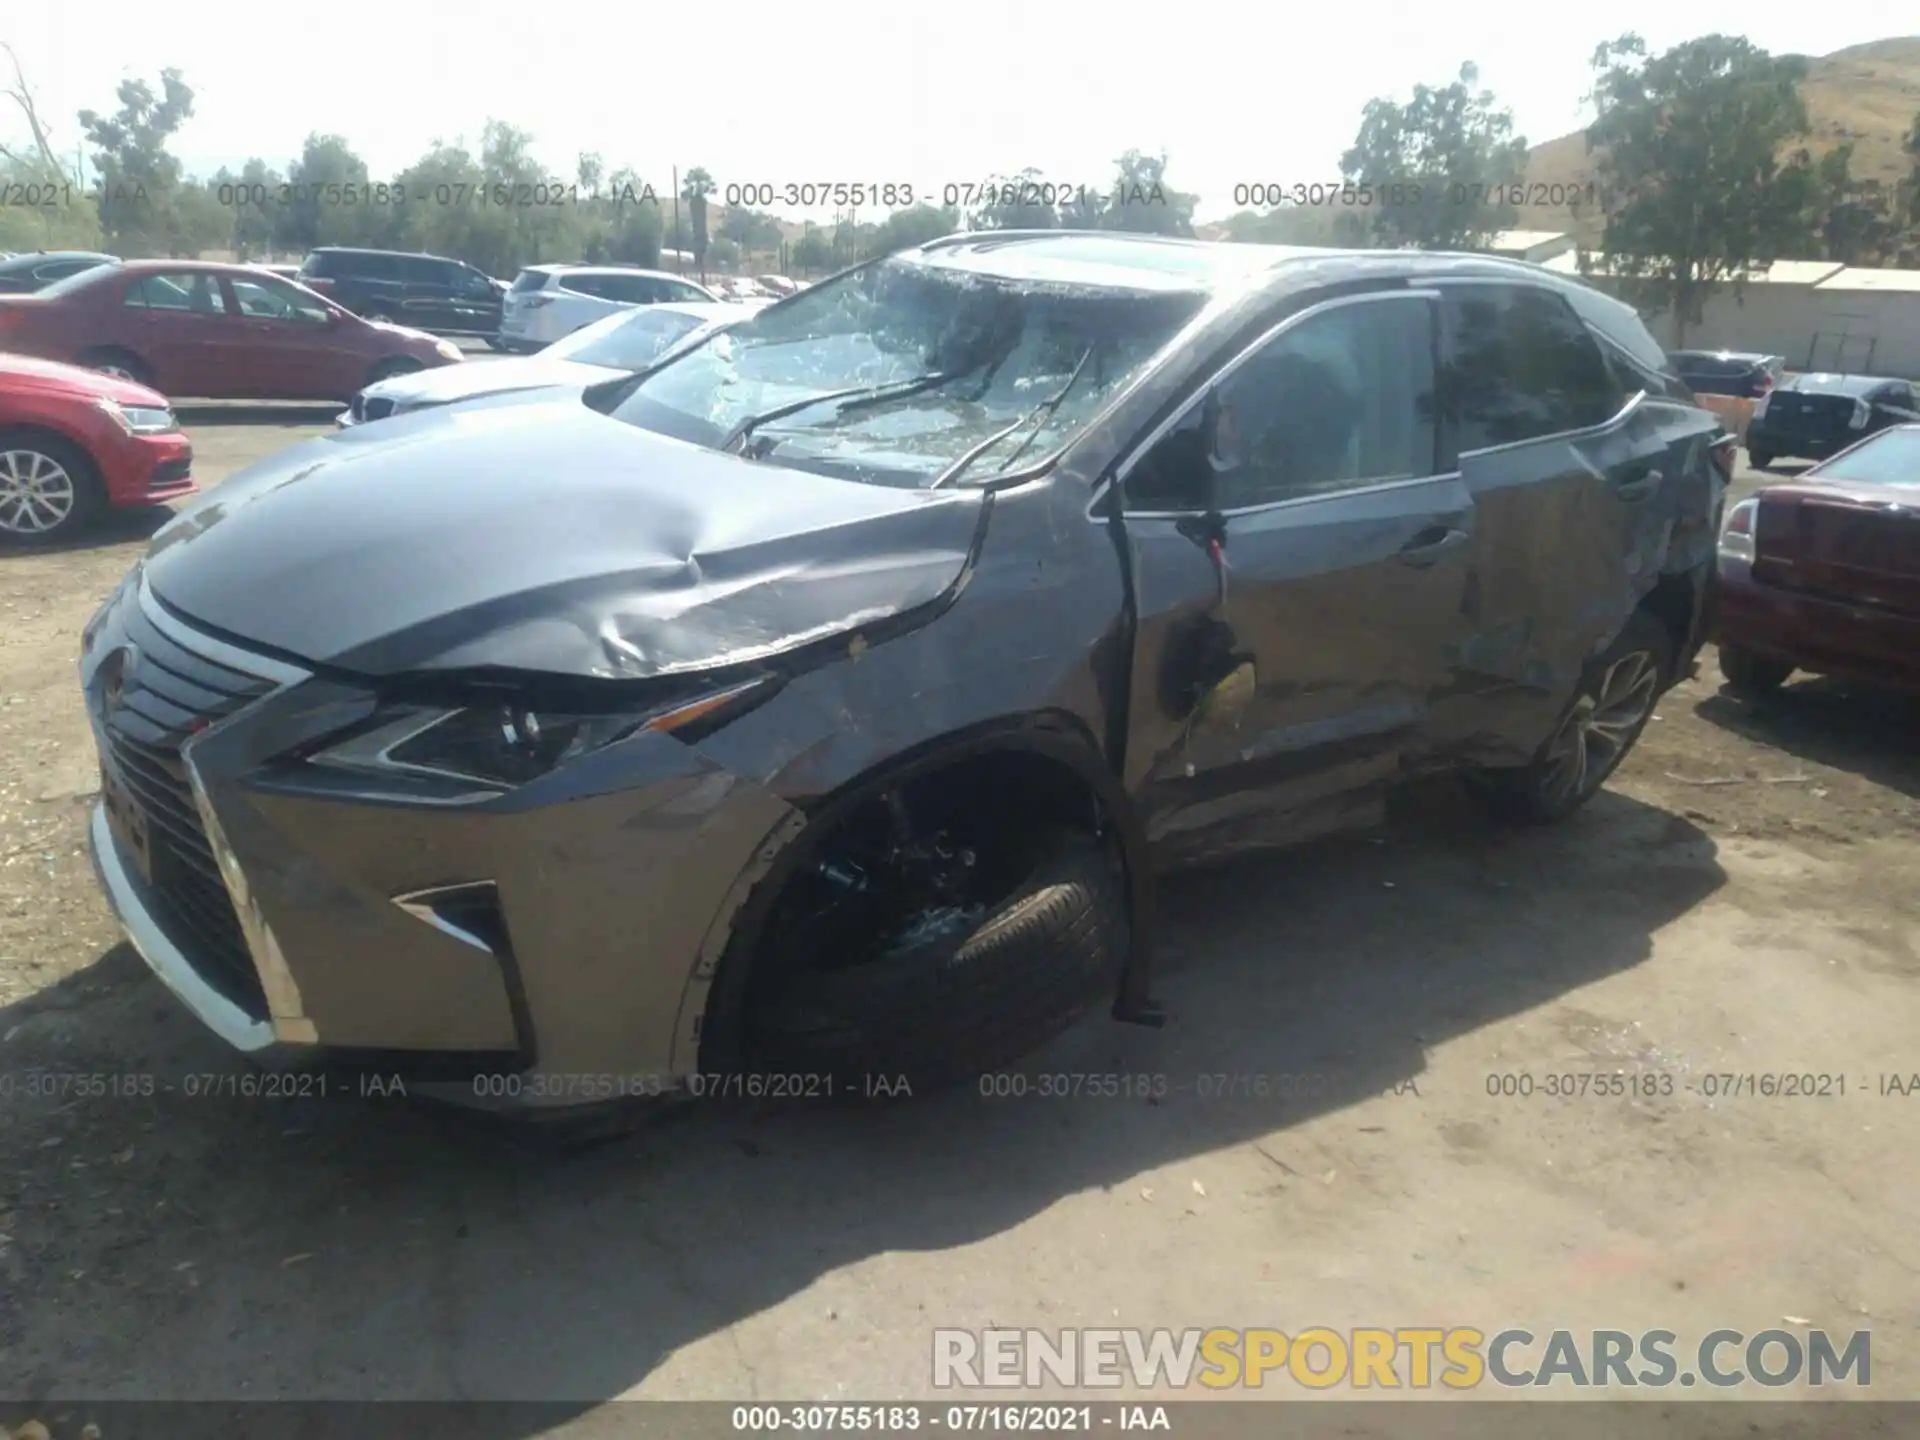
(426,292)
(1745,375)
(24,274)
(1813,416)
(819,703)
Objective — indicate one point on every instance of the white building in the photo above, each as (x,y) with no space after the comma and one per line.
(1818,314)
(1539,246)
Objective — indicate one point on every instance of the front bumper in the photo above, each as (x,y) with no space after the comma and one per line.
(566,932)
(1828,637)
(148,469)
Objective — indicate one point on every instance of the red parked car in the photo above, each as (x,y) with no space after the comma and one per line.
(223,332)
(75,442)
(1822,573)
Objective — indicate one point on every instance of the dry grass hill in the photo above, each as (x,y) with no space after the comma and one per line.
(1867,94)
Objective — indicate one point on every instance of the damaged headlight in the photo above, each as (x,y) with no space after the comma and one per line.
(504,745)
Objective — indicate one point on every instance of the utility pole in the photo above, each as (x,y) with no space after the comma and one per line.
(678,263)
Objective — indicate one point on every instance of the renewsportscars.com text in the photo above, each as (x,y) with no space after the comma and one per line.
(1404,1357)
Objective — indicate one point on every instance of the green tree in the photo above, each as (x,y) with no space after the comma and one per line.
(1427,173)
(318,182)
(198,221)
(59,214)
(1686,149)
(694,189)
(1855,217)
(1020,201)
(1141,200)
(1905,202)
(138,180)
(1299,225)
(912,226)
(812,252)
(252,202)
(631,221)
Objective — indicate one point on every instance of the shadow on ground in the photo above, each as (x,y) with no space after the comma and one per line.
(202,414)
(1874,734)
(109,528)
(357,1249)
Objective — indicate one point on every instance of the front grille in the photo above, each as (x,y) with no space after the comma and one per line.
(378,408)
(1839,550)
(172,694)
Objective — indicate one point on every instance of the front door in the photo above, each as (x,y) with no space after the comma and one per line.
(296,348)
(1300,563)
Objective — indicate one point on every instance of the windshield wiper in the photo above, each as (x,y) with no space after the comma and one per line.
(1039,412)
(850,398)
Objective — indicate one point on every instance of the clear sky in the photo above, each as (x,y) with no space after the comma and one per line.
(1233,90)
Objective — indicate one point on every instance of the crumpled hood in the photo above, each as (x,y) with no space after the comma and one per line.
(462,382)
(546,537)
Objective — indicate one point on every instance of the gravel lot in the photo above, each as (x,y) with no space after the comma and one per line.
(1741,900)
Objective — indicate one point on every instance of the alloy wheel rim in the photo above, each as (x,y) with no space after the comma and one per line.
(1601,725)
(36,492)
(119,372)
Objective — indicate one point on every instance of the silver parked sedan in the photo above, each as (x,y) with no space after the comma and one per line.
(619,344)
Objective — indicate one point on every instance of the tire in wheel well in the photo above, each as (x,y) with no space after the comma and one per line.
(90,491)
(1061,846)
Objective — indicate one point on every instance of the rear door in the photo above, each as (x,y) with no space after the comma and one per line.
(1289,648)
(1576,479)
(581,300)
(476,302)
(427,301)
(180,325)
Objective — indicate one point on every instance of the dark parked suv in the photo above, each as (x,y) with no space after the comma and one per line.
(1813,416)
(819,704)
(427,292)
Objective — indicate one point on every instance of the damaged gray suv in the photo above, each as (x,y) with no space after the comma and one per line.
(819,704)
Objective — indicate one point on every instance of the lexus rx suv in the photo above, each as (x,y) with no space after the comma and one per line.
(820,703)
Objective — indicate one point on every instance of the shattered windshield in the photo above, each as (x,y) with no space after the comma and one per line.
(993,353)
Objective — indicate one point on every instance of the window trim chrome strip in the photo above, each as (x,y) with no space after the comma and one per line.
(1117,474)
(420,905)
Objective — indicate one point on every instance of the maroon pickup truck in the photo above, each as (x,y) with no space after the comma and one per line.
(1822,573)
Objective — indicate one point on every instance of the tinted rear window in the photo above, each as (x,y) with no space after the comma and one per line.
(529,280)
(1521,366)
(423,271)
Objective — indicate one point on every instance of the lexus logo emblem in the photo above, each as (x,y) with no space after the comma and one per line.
(116,673)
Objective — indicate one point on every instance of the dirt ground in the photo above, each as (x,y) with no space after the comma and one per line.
(1740,901)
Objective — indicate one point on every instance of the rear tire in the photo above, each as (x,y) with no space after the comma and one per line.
(1760,457)
(126,365)
(50,489)
(1612,705)
(937,1012)
(1751,676)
